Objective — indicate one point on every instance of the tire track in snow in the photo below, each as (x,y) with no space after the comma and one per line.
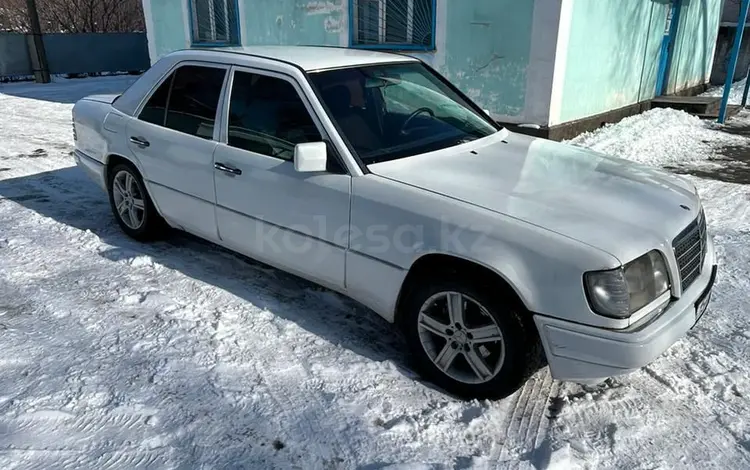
(64,427)
(133,459)
(75,459)
(81,434)
(539,416)
(526,423)
(644,408)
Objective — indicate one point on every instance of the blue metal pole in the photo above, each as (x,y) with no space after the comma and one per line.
(670,35)
(733,60)
(747,88)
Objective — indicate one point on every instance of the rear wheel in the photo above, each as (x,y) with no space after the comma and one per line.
(470,342)
(131,204)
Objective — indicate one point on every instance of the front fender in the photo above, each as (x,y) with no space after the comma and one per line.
(545,269)
(397,224)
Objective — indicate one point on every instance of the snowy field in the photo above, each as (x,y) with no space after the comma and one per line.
(179,354)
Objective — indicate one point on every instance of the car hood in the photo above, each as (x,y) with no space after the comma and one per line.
(618,206)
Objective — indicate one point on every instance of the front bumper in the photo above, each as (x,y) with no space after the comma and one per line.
(583,353)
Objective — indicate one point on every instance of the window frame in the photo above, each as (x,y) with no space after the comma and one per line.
(223,137)
(169,75)
(195,42)
(354,5)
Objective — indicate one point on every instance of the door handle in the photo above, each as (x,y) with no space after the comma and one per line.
(227,169)
(140,141)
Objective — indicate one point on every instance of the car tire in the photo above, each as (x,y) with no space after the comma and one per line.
(508,363)
(131,204)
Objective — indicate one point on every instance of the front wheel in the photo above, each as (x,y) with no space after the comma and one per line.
(131,204)
(471,343)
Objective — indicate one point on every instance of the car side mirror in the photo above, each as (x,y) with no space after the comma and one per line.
(311,157)
(487,112)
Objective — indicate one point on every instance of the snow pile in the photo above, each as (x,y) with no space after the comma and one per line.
(659,137)
(735,96)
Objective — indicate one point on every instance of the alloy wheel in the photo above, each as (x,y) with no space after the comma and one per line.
(128,199)
(461,338)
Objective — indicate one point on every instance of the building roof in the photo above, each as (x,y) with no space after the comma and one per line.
(312,58)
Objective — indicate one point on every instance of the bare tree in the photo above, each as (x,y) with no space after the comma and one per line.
(13,16)
(75,16)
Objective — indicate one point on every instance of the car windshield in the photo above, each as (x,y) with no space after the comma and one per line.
(386,112)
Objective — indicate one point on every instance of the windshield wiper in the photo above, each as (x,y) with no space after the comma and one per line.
(466,140)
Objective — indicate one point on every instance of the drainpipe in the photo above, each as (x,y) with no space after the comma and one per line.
(733,60)
(667,46)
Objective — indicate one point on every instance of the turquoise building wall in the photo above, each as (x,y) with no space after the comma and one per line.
(614,49)
(612,55)
(168,31)
(473,50)
(696,43)
(473,46)
(539,61)
(487,51)
(293,22)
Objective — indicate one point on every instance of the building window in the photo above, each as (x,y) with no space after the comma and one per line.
(215,22)
(393,24)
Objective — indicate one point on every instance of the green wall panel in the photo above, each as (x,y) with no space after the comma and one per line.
(487,50)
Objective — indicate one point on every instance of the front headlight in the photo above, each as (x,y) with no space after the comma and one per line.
(620,292)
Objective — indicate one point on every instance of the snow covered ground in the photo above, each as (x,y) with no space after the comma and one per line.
(179,354)
(735,94)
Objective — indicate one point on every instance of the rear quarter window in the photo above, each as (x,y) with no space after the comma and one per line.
(155,109)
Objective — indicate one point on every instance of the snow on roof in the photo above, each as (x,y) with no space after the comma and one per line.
(318,57)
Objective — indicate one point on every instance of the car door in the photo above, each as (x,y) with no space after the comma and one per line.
(265,208)
(173,139)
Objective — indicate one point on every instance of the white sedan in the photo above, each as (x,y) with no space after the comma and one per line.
(372,175)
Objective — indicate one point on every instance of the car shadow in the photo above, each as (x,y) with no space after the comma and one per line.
(69,197)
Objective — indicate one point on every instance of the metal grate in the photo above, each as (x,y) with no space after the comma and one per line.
(215,22)
(396,23)
(690,250)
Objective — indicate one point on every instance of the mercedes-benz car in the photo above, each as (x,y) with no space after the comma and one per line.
(371,174)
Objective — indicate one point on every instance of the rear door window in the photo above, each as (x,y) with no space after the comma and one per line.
(193,101)
(187,101)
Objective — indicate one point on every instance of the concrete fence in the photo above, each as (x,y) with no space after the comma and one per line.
(76,53)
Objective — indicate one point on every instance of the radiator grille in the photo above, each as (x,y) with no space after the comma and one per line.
(690,250)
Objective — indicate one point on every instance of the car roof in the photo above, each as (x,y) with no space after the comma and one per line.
(311,58)
(306,58)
